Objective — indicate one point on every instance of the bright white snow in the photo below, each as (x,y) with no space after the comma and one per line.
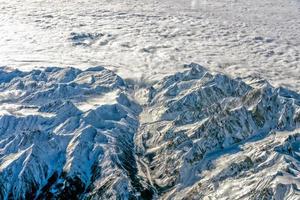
(69,131)
(149,38)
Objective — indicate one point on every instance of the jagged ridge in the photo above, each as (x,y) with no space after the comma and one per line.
(72,134)
(195,114)
(55,144)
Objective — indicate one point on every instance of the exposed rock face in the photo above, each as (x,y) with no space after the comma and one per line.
(72,134)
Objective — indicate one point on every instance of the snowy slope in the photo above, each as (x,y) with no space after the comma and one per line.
(72,134)
(147,126)
(56,150)
(198,137)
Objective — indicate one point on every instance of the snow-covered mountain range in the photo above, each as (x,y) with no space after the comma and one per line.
(66,133)
(208,135)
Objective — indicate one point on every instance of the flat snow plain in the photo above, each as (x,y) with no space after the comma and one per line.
(148,39)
